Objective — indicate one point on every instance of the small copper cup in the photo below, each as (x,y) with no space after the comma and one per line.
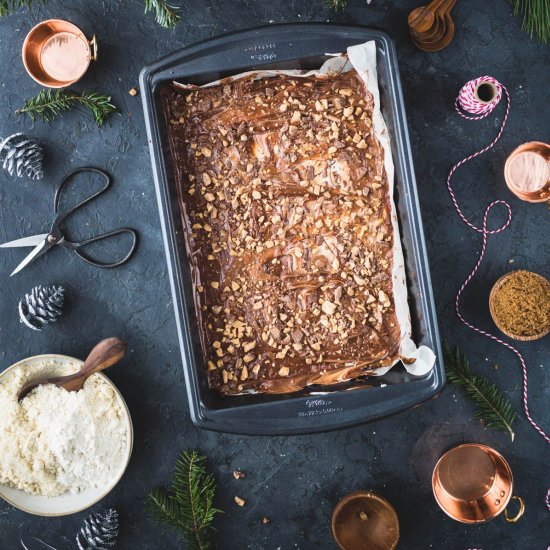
(56,53)
(365,520)
(527,171)
(473,483)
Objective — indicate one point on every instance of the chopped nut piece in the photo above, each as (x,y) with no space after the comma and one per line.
(237,474)
(249,345)
(266,520)
(240,501)
(284,371)
(328,307)
(133,92)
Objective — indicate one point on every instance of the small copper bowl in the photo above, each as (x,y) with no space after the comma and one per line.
(492,298)
(516,175)
(365,520)
(473,483)
(56,53)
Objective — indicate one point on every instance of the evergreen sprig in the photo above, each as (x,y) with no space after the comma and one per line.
(336,5)
(188,504)
(493,408)
(536,17)
(7,6)
(165,15)
(49,104)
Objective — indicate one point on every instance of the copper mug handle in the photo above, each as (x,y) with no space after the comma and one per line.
(93,48)
(520,512)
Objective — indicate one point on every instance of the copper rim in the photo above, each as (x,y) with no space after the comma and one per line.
(492,297)
(33,43)
(540,195)
(448,503)
(373,497)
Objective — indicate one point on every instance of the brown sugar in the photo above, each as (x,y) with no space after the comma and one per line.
(520,304)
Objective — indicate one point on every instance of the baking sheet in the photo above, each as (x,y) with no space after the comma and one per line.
(417,360)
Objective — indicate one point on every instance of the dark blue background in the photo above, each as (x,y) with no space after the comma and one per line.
(296,481)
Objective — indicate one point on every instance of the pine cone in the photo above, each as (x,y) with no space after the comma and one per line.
(22,156)
(99,532)
(42,306)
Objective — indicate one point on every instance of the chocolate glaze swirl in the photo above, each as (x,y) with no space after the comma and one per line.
(286,211)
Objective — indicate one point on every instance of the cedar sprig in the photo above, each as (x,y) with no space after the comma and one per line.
(49,104)
(188,504)
(7,6)
(165,15)
(536,17)
(493,408)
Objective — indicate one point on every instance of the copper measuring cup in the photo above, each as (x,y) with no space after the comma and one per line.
(518,180)
(365,520)
(56,53)
(473,483)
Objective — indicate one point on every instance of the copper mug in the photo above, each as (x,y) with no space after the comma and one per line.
(473,483)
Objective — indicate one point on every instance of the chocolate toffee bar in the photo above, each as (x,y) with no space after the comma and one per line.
(287,218)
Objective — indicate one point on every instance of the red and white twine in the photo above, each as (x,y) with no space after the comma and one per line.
(467,102)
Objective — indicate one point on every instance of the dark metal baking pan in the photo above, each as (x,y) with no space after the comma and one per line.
(294,46)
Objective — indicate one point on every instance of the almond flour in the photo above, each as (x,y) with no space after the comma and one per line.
(56,442)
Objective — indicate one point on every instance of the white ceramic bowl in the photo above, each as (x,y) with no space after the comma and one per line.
(67,504)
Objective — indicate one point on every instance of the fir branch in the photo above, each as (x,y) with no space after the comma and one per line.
(536,17)
(188,504)
(7,6)
(336,5)
(165,15)
(493,408)
(48,105)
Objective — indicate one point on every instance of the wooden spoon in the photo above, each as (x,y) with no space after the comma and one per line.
(430,24)
(443,42)
(103,355)
(422,18)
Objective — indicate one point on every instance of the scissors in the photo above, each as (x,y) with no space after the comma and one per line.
(43,243)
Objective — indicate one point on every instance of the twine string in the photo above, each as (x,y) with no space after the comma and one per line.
(467,102)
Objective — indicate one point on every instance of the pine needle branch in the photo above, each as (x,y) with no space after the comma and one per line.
(7,6)
(336,5)
(536,17)
(188,504)
(49,104)
(493,409)
(165,15)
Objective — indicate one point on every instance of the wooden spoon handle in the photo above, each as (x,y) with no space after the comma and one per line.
(103,355)
(435,5)
(449,5)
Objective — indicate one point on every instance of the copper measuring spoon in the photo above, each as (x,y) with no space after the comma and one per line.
(103,355)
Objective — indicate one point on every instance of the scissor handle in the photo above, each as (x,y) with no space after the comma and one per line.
(61,216)
(77,246)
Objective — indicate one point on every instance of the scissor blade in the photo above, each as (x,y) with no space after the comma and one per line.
(35,240)
(36,252)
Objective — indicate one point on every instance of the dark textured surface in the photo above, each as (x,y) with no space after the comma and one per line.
(294,480)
